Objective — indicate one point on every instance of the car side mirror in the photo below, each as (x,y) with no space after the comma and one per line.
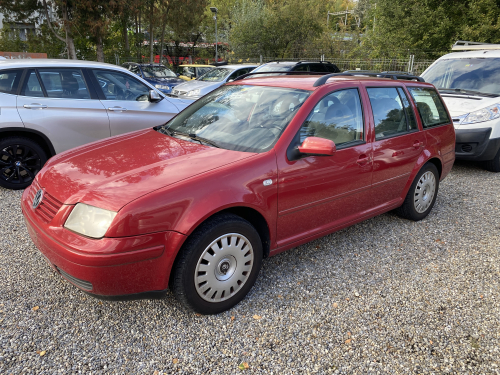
(317,146)
(153,96)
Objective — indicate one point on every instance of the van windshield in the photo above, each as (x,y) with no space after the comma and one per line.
(474,74)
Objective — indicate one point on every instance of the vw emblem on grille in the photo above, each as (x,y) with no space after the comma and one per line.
(38,198)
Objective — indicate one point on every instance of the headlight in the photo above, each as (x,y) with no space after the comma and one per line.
(163,87)
(89,220)
(485,114)
(193,92)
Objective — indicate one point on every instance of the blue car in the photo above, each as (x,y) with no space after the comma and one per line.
(158,75)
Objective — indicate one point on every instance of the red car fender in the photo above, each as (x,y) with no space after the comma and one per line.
(182,207)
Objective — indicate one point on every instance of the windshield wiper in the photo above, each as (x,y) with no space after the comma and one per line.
(194,137)
(204,140)
(467,92)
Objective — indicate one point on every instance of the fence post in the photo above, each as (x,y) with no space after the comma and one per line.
(260,60)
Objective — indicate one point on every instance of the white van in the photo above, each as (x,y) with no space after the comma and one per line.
(469,82)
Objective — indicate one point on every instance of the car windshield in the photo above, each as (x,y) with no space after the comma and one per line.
(475,74)
(151,71)
(215,75)
(238,117)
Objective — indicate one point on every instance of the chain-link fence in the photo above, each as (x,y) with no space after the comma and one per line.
(409,65)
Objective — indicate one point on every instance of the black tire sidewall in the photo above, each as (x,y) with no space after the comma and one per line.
(429,167)
(26,142)
(195,248)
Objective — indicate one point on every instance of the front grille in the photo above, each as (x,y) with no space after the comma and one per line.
(49,206)
(85,285)
(466,147)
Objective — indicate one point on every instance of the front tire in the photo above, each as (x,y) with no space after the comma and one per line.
(494,164)
(218,265)
(422,194)
(20,160)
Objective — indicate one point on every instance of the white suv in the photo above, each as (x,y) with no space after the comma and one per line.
(469,83)
(49,106)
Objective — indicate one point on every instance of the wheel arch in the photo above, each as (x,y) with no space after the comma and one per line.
(251,215)
(438,163)
(34,135)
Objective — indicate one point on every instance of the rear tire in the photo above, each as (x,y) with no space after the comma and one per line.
(20,160)
(494,164)
(218,265)
(422,194)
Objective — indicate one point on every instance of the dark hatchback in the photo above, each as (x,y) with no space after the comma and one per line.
(158,75)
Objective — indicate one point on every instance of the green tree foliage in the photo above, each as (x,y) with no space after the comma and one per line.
(276,28)
(427,27)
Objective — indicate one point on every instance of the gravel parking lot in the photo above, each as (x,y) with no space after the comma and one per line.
(386,296)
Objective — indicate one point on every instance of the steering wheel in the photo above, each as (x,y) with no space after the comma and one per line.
(128,95)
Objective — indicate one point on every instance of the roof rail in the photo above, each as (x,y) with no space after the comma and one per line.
(321,81)
(463,45)
(278,72)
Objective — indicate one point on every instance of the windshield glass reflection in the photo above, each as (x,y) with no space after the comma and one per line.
(239,118)
(476,74)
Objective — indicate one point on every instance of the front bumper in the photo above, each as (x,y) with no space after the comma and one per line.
(475,144)
(110,268)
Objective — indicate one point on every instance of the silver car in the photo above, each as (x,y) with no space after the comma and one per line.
(49,106)
(209,81)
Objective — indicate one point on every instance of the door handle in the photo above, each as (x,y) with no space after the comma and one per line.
(117,109)
(418,144)
(363,159)
(397,153)
(35,106)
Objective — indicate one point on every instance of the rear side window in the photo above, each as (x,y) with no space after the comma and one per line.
(430,107)
(388,112)
(338,117)
(64,83)
(9,80)
(32,86)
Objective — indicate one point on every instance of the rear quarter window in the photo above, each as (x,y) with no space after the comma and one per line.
(430,107)
(9,80)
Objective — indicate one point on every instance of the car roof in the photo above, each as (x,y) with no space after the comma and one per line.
(46,63)
(54,63)
(471,54)
(144,64)
(237,66)
(198,65)
(306,82)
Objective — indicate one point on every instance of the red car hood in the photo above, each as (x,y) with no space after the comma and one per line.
(113,172)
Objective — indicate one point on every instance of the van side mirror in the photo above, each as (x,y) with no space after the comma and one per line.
(317,146)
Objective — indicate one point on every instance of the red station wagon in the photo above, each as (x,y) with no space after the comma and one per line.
(254,168)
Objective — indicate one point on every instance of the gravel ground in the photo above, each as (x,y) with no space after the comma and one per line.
(386,296)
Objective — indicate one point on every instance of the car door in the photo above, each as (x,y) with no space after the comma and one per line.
(60,103)
(398,142)
(318,193)
(126,100)
(9,83)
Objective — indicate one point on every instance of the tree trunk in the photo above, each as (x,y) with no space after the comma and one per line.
(136,36)
(125,39)
(100,51)
(162,40)
(151,38)
(70,45)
